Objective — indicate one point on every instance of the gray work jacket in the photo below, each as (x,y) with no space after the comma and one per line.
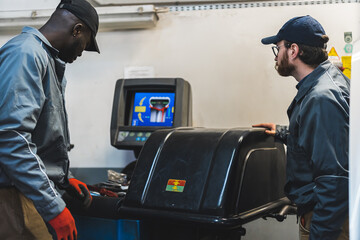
(34,137)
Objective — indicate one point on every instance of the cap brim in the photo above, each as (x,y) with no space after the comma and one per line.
(270,40)
(93,47)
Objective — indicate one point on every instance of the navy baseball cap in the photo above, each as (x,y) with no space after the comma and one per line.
(84,11)
(302,30)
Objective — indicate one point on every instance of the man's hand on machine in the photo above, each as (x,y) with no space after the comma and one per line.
(271,128)
(80,191)
(63,226)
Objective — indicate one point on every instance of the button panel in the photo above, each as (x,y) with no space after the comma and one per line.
(133,136)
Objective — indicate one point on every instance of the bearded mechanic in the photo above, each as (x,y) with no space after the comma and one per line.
(34,135)
(317,138)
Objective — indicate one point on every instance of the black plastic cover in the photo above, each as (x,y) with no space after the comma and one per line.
(226,173)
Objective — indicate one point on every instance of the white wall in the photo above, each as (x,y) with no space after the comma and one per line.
(13,5)
(219,52)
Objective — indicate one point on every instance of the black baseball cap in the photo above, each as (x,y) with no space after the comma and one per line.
(84,11)
(303,30)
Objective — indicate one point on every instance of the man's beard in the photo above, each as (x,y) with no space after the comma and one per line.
(283,67)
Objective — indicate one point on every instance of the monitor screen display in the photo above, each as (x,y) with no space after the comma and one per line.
(153,109)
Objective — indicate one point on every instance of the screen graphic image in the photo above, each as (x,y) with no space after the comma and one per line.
(153,109)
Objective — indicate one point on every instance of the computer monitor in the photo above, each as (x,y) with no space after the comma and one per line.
(142,106)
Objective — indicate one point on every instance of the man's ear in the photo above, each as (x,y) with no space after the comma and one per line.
(294,51)
(77,29)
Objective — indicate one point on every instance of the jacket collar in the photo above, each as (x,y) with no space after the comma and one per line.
(310,80)
(38,34)
(307,83)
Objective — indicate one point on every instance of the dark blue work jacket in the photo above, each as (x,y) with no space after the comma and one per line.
(317,150)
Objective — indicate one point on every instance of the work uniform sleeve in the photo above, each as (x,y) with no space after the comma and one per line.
(21,101)
(324,136)
(281,133)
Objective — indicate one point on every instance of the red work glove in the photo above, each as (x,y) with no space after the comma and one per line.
(80,191)
(63,226)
